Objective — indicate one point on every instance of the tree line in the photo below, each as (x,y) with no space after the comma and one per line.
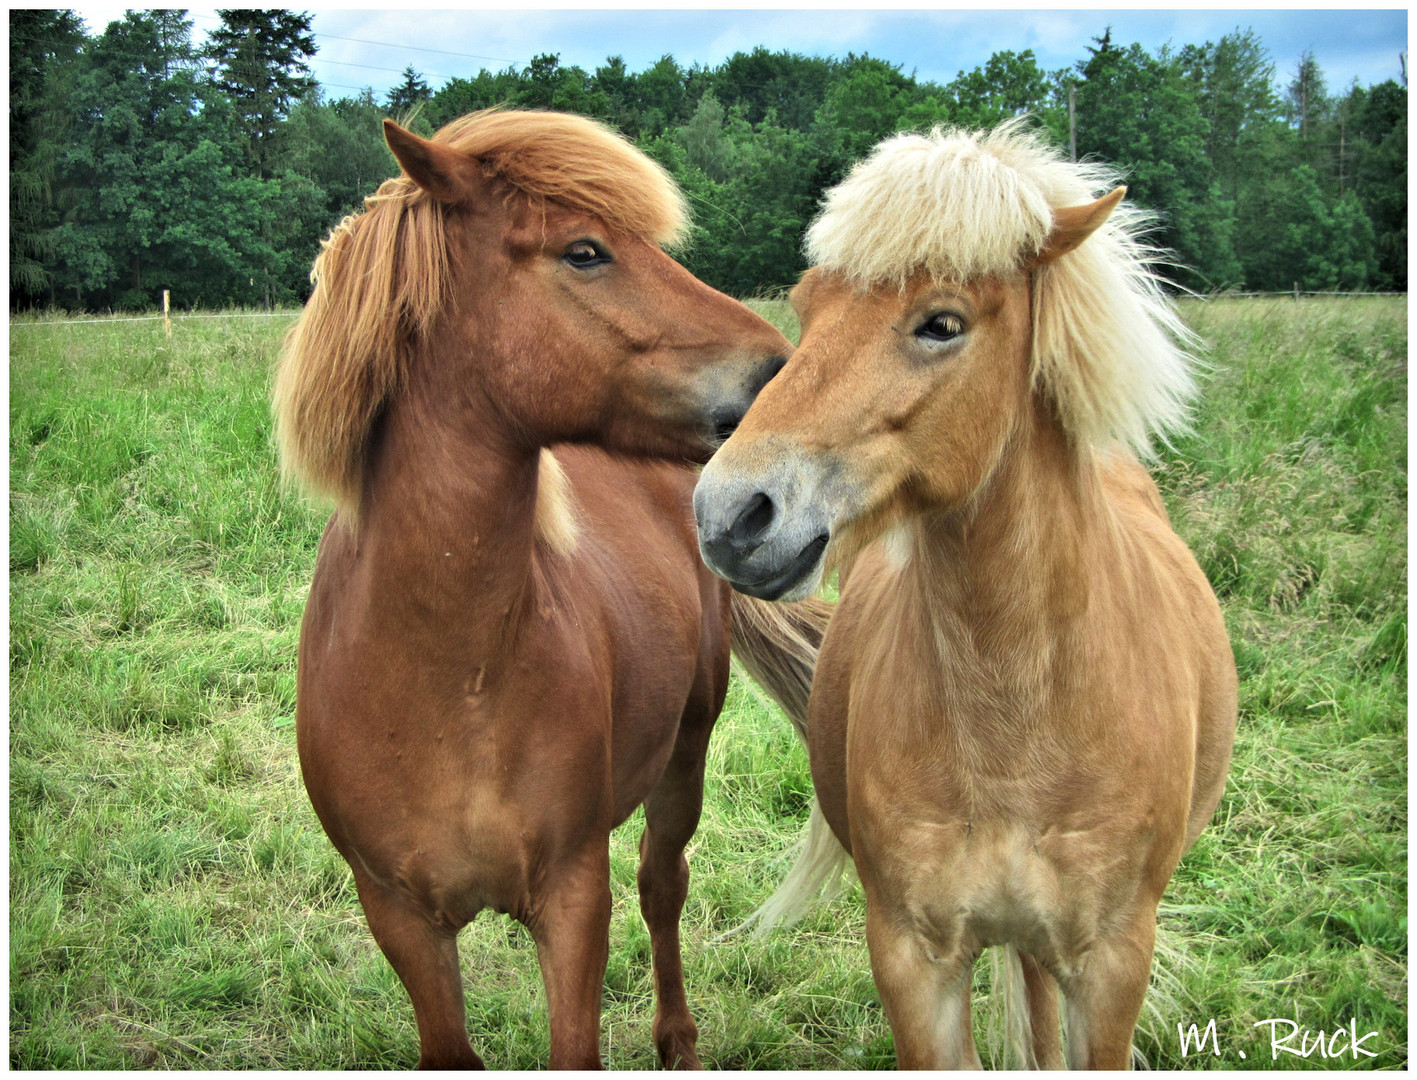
(140,162)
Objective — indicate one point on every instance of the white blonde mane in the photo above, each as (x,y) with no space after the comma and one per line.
(1108,347)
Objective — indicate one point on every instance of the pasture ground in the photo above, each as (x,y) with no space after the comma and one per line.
(174,903)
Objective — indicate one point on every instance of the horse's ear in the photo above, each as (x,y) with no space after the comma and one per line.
(1074,224)
(448,176)
(798,296)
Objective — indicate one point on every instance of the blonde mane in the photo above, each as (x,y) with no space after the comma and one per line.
(1108,347)
(381,278)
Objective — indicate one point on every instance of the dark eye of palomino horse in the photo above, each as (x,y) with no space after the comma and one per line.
(509,641)
(1025,704)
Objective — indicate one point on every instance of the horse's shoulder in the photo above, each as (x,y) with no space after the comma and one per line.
(633,517)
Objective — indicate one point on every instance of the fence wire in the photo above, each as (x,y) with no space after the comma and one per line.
(102,320)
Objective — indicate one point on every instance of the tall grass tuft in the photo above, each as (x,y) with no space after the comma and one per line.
(174,903)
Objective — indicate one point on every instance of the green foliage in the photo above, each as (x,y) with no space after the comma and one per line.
(1233,81)
(260,57)
(157,196)
(44,47)
(750,188)
(787,84)
(547,85)
(661,97)
(136,169)
(1377,127)
(1293,234)
(861,108)
(1306,101)
(706,146)
(1138,112)
(1007,85)
(408,95)
(339,148)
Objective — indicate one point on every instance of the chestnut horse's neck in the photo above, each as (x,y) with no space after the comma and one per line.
(448,507)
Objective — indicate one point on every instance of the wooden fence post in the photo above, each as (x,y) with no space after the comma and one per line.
(166,320)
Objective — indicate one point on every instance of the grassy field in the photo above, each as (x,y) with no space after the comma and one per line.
(174,903)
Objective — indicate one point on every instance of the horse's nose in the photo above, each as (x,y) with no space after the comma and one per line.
(724,423)
(724,420)
(728,548)
(746,532)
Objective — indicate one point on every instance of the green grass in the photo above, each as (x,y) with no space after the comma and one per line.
(174,903)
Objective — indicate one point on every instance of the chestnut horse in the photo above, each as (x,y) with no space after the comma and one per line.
(505,650)
(1024,707)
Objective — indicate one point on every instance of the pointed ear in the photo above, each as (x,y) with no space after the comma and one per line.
(448,176)
(1074,224)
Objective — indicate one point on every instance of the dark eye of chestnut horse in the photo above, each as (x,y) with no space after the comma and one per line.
(584,255)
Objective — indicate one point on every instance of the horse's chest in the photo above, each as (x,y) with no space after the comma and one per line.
(964,886)
(980,826)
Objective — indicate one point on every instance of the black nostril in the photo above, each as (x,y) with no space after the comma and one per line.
(726,426)
(752,522)
(768,371)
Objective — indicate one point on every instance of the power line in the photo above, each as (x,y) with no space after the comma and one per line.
(372,67)
(389,44)
(418,48)
(346,86)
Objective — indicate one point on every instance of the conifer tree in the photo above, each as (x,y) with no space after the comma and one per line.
(44,51)
(409,94)
(260,59)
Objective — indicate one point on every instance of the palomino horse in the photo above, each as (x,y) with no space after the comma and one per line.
(1024,707)
(505,652)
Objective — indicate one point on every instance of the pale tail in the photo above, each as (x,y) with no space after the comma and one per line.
(777,644)
(821,870)
(1008,1032)
(1009,1035)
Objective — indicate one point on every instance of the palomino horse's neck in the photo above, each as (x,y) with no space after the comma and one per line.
(1010,574)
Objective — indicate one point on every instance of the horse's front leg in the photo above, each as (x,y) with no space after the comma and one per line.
(425,957)
(671,816)
(925,996)
(1104,998)
(570,924)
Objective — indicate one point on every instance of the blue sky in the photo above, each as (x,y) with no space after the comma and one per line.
(370,47)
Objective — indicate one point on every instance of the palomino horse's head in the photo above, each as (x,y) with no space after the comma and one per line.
(947,310)
(517,266)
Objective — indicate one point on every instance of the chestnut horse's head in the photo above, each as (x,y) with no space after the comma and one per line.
(515,270)
(964,288)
